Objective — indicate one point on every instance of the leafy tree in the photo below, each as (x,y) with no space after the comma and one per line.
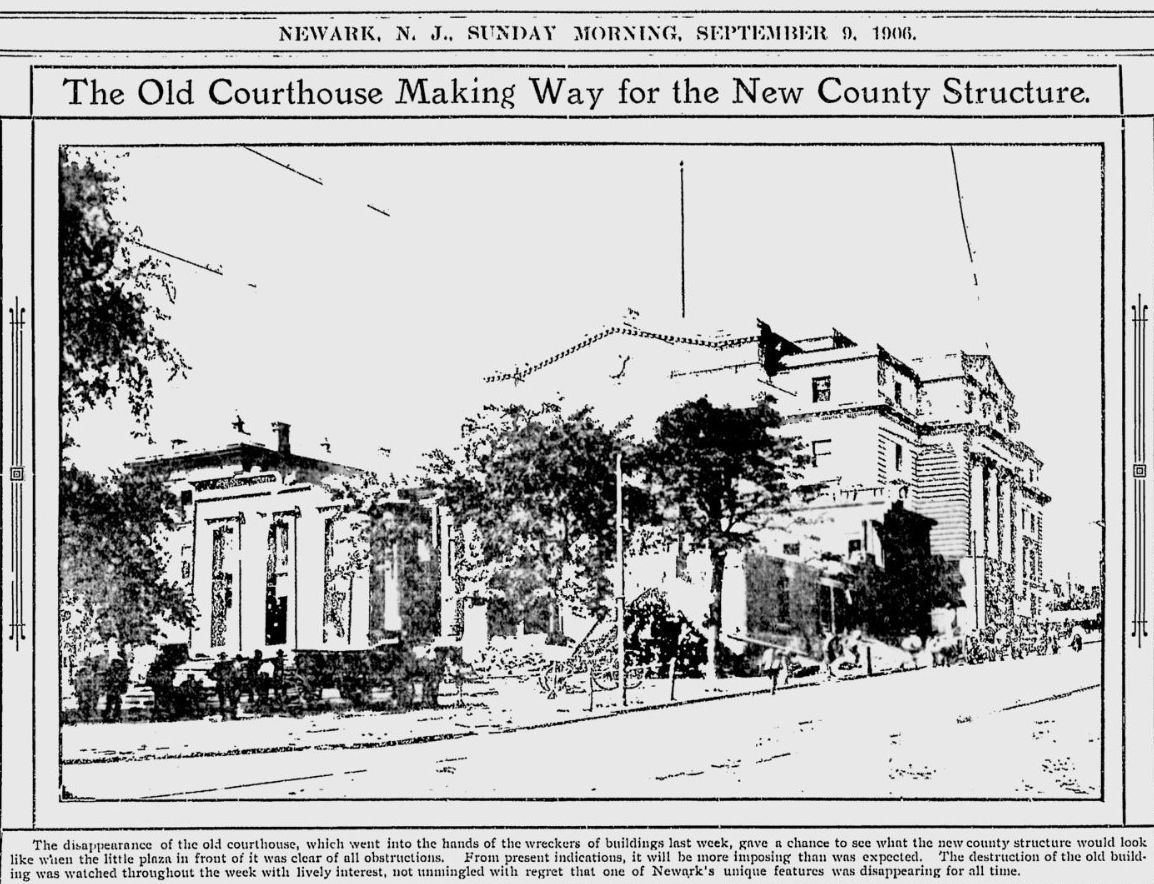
(110,301)
(534,492)
(112,567)
(113,582)
(719,474)
(895,600)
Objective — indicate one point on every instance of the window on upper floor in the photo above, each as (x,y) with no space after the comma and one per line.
(899,456)
(783,605)
(898,393)
(855,545)
(969,402)
(821,389)
(820,448)
(791,549)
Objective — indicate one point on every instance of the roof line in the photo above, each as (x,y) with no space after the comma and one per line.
(155,460)
(520,374)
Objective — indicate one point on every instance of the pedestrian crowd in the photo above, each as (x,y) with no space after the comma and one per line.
(262,680)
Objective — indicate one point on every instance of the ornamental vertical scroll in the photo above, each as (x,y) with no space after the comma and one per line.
(1138,625)
(16,622)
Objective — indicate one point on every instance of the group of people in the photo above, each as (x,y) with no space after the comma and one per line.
(838,652)
(232,679)
(995,643)
(844,652)
(98,678)
(252,675)
(1017,642)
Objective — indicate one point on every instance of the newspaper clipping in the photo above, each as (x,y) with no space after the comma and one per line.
(556,444)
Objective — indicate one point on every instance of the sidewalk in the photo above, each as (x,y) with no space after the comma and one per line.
(494,707)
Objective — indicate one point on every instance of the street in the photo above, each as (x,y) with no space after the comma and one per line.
(1015,729)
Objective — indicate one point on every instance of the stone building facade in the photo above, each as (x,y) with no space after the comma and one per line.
(941,434)
(272,558)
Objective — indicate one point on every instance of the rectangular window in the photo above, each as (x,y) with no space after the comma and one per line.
(791,549)
(820,448)
(223,549)
(855,545)
(898,456)
(783,605)
(821,389)
(898,392)
(338,589)
(279,578)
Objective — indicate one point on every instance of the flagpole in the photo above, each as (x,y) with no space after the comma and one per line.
(620,589)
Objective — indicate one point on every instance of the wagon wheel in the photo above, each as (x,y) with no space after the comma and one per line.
(605,677)
(634,675)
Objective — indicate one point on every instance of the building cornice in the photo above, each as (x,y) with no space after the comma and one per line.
(239,451)
(519,374)
(882,409)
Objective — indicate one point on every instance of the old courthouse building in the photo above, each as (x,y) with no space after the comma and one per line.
(938,433)
(267,552)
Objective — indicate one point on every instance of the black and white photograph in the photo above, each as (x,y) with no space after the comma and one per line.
(575,471)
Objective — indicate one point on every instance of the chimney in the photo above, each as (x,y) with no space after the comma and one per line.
(282,438)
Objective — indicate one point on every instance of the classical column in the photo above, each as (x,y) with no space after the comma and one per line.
(977,509)
(1038,532)
(1006,513)
(1016,533)
(450,625)
(993,548)
(977,575)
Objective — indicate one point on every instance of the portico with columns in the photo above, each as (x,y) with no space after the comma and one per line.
(1005,520)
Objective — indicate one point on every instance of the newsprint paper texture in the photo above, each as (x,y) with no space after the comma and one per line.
(535,443)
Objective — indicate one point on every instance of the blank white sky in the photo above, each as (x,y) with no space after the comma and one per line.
(375,331)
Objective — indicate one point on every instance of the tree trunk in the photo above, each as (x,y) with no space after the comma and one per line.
(713,622)
(554,618)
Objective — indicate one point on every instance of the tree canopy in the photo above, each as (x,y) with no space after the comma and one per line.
(113,580)
(895,600)
(534,493)
(112,299)
(718,474)
(114,584)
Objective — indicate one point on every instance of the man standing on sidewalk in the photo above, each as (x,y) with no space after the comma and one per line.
(776,661)
(221,674)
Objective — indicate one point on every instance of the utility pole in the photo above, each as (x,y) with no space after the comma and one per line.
(620,589)
(832,611)
(682,171)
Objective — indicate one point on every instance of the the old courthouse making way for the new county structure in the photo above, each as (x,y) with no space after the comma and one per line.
(269,553)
